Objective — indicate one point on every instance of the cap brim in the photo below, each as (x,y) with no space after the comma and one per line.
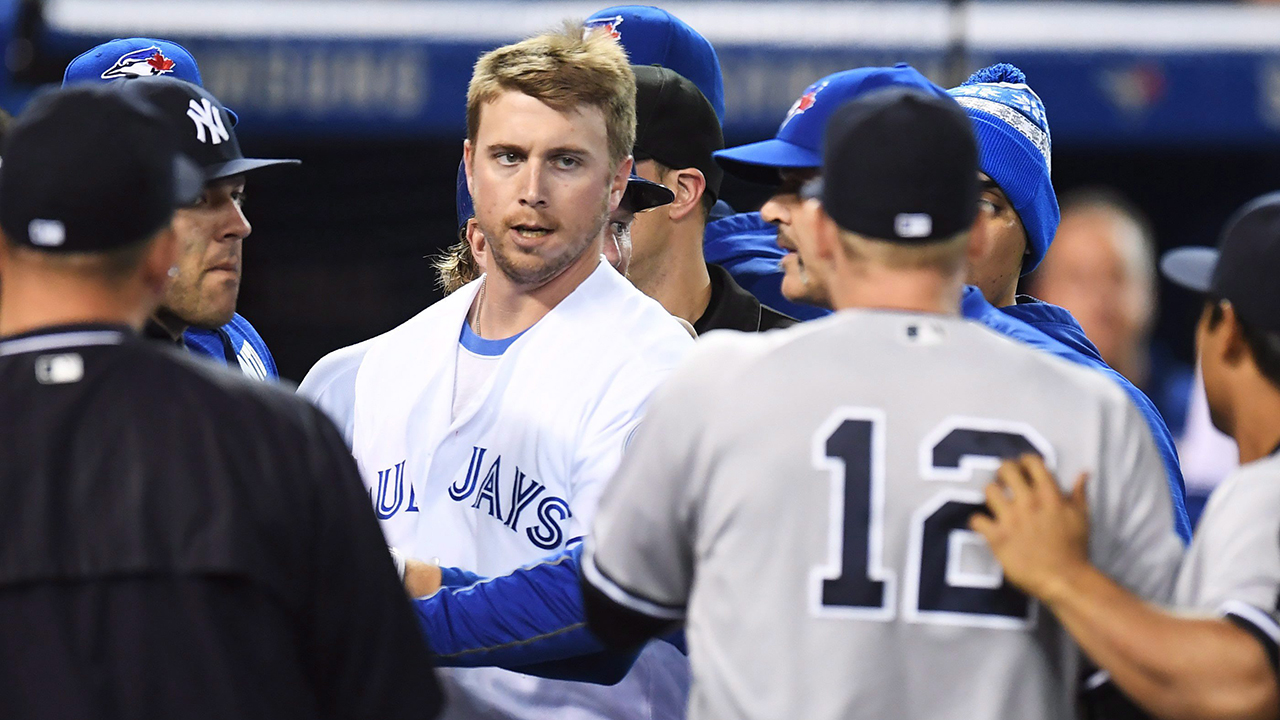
(644,195)
(760,162)
(188,181)
(241,166)
(1190,267)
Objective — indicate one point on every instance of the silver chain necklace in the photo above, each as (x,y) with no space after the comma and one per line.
(480,304)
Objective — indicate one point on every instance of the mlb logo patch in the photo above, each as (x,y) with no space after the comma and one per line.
(913,225)
(144,62)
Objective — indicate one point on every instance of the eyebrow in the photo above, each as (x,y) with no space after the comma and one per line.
(569,150)
(989,185)
(504,147)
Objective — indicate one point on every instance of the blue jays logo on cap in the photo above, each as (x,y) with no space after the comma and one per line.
(143,62)
(804,102)
(608,24)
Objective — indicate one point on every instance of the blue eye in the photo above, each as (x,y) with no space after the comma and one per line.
(566,162)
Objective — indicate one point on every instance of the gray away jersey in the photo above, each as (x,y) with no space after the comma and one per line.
(1233,566)
(828,572)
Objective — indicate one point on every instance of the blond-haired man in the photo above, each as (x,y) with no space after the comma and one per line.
(487,426)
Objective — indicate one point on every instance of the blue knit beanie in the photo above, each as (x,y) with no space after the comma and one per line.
(1014,149)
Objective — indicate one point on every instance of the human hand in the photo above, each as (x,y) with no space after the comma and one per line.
(420,578)
(1039,535)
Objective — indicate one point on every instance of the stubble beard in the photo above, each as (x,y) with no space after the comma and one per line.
(184,302)
(535,270)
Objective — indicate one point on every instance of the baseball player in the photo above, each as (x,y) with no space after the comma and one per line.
(1218,657)
(330,384)
(1013,139)
(743,244)
(676,135)
(487,426)
(830,573)
(199,309)
(179,542)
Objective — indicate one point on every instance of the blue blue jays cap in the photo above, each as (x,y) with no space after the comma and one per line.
(653,36)
(640,195)
(133,58)
(128,58)
(798,142)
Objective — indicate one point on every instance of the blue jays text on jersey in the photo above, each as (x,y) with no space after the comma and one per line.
(507,496)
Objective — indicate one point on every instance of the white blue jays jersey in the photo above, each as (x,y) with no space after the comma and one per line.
(237,344)
(517,474)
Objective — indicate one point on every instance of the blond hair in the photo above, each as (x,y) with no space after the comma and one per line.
(455,267)
(565,69)
(946,255)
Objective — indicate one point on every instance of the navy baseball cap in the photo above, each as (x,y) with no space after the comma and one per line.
(1242,269)
(675,124)
(653,36)
(899,164)
(92,169)
(640,195)
(204,126)
(798,142)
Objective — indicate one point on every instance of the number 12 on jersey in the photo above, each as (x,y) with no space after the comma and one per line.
(855,583)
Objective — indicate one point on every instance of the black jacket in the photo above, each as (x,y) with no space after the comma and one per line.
(732,308)
(177,541)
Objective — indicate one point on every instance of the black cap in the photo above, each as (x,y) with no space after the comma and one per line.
(90,169)
(899,164)
(675,124)
(207,130)
(1243,268)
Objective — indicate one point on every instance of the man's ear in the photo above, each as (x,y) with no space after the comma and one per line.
(619,183)
(1235,350)
(688,184)
(160,259)
(467,150)
(476,239)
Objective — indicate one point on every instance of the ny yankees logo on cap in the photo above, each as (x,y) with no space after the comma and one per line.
(144,62)
(205,115)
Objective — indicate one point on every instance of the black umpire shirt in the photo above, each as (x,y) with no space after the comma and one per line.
(733,308)
(179,542)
